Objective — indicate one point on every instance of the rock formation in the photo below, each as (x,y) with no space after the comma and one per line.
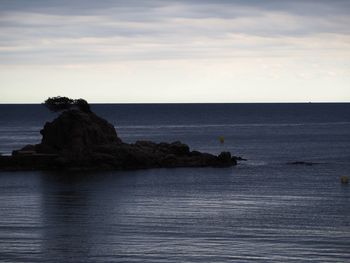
(82,140)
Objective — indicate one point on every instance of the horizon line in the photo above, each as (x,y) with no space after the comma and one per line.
(145,103)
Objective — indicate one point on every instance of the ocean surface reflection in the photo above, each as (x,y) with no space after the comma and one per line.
(179,215)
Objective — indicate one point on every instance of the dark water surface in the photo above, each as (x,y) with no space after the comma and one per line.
(263,210)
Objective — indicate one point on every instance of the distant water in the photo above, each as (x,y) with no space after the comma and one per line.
(263,210)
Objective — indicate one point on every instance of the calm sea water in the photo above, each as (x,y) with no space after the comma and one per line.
(262,210)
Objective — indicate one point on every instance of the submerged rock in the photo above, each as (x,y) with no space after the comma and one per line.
(302,163)
(82,140)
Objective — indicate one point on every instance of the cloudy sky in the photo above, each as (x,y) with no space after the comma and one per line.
(175,50)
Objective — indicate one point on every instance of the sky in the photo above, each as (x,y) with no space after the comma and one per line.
(175,51)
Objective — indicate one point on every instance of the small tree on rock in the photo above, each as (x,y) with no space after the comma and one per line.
(57,104)
(82,105)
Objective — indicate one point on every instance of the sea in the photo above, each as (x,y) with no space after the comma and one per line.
(262,210)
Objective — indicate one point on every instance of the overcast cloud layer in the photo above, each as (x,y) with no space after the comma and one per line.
(142,51)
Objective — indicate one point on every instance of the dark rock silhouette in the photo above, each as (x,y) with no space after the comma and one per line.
(77,132)
(79,139)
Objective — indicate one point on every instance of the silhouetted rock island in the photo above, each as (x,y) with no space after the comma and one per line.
(79,139)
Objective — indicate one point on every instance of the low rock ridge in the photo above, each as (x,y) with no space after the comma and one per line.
(83,140)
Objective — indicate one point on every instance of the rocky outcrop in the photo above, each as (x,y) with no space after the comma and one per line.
(76,131)
(82,140)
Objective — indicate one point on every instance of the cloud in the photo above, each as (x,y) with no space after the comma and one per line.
(175,50)
(215,8)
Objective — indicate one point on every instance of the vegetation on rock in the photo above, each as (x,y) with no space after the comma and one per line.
(57,104)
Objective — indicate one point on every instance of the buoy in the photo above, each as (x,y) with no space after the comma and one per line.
(221,139)
(344,180)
